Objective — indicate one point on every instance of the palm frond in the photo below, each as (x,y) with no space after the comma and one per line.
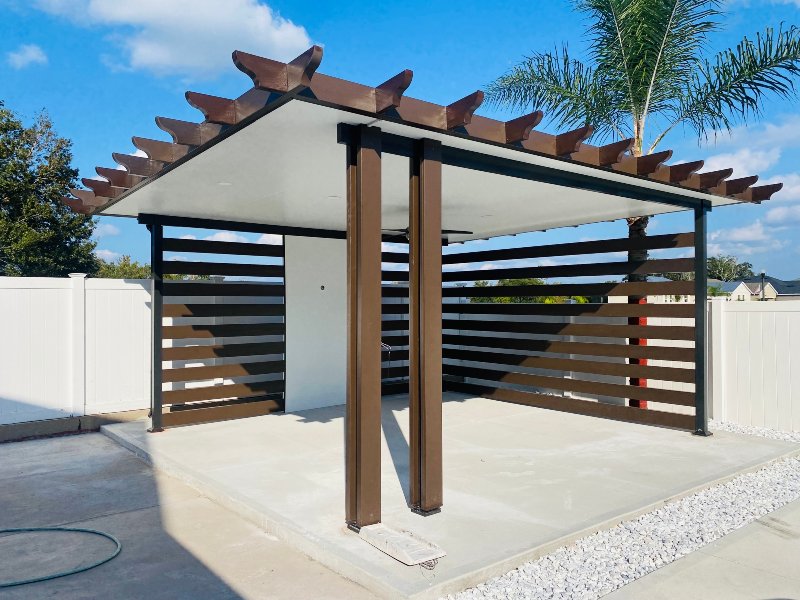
(731,89)
(570,93)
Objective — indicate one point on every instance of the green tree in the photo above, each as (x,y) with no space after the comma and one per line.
(647,74)
(39,236)
(728,268)
(124,268)
(530,281)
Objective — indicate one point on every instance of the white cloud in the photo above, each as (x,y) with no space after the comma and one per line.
(744,162)
(744,241)
(270,238)
(754,232)
(394,247)
(188,237)
(187,37)
(25,56)
(782,133)
(105,230)
(783,215)
(107,255)
(226,236)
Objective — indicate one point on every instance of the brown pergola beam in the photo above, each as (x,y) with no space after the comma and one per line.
(275,76)
(158,150)
(602,156)
(760,192)
(363,409)
(138,165)
(562,144)
(118,177)
(425,328)
(190,134)
(677,173)
(642,165)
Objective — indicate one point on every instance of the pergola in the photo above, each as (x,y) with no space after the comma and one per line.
(331,165)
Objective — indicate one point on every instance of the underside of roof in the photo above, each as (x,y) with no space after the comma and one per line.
(272,156)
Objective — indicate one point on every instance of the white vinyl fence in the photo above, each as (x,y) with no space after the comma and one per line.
(77,346)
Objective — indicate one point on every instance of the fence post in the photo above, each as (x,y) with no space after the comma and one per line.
(717,358)
(78,339)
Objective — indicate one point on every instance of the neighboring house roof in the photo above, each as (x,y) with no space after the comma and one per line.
(729,286)
(781,287)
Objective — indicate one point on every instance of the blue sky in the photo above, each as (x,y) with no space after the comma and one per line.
(104,68)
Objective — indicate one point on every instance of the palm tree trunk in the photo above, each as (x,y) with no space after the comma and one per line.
(637,229)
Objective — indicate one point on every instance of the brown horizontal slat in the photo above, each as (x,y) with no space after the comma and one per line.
(636,288)
(181,267)
(574,366)
(614,390)
(185,332)
(395,387)
(649,332)
(224,310)
(396,355)
(211,247)
(231,390)
(394,372)
(394,257)
(395,341)
(579,407)
(653,242)
(579,348)
(183,288)
(221,351)
(238,370)
(647,267)
(221,412)
(616,309)
(394,275)
(393,292)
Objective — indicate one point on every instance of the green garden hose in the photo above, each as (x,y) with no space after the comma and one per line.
(108,536)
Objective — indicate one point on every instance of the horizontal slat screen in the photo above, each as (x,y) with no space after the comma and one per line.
(394,361)
(224,331)
(550,336)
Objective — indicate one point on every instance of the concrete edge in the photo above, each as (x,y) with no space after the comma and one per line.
(307,543)
(31,430)
(268,521)
(474,578)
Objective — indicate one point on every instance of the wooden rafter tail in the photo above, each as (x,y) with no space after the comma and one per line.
(642,165)
(731,187)
(460,112)
(389,94)
(189,134)
(101,187)
(276,76)
(118,177)
(157,150)
(226,111)
(677,173)
(88,198)
(138,165)
(563,144)
(706,181)
(76,205)
(760,193)
(519,129)
(602,156)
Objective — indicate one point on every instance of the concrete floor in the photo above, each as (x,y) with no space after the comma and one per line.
(519,482)
(175,542)
(758,561)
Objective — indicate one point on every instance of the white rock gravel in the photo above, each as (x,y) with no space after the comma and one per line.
(605,561)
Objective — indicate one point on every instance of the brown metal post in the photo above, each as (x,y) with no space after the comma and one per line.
(425,335)
(363,412)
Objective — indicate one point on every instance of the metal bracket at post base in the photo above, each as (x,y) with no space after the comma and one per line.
(425,513)
(352,526)
(702,433)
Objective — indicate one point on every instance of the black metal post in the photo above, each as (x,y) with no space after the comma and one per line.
(700,319)
(156,311)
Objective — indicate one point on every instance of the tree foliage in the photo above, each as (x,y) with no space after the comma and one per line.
(39,236)
(523,299)
(728,268)
(124,268)
(646,60)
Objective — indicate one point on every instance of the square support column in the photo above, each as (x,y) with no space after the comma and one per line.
(156,312)
(363,410)
(700,319)
(425,324)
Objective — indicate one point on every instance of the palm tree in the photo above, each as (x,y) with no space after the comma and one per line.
(647,69)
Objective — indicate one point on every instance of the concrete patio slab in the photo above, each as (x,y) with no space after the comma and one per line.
(519,482)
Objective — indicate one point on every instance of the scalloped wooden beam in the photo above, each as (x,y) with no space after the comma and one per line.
(677,173)
(562,144)
(706,181)
(138,165)
(76,205)
(101,187)
(89,198)
(760,193)
(602,156)
(642,165)
(187,133)
(730,187)
(119,178)
(459,113)
(519,129)
(276,76)
(389,94)
(225,111)
(157,150)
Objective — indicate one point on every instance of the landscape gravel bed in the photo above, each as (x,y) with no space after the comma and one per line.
(605,561)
